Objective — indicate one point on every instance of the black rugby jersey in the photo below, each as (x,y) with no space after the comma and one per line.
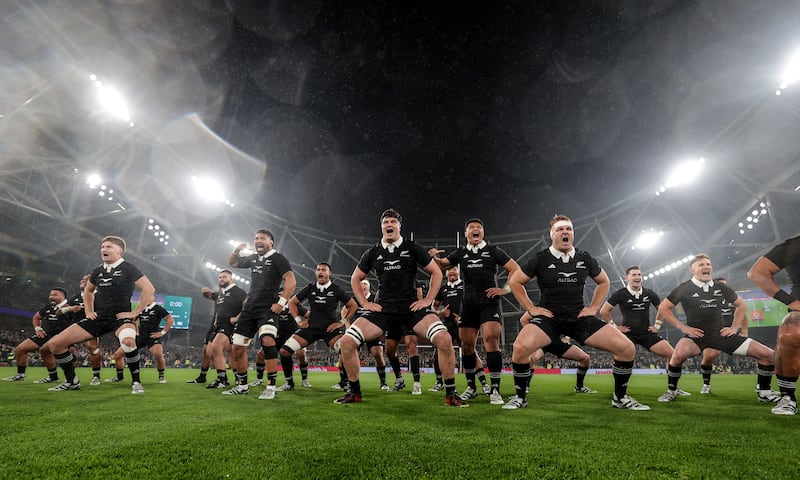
(703,308)
(150,319)
(52,320)
(635,311)
(727,313)
(396,271)
(228,303)
(266,275)
(787,257)
(479,269)
(286,316)
(323,303)
(561,284)
(76,300)
(451,295)
(113,288)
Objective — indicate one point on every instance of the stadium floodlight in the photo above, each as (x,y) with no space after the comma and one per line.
(93,180)
(791,73)
(208,189)
(647,239)
(669,267)
(113,102)
(684,173)
(753,217)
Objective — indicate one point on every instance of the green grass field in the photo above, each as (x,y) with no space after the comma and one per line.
(179,430)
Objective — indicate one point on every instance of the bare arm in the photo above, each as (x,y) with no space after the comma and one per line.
(88,300)
(37,325)
(599,295)
(739,317)
(349,309)
(289,284)
(170,321)
(355,285)
(433,288)
(233,257)
(516,282)
(293,310)
(665,312)
(443,263)
(147,296)
(762,273)
(605,313)
(511,266)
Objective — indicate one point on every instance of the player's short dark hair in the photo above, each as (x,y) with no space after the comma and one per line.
(59,289)
(632,267)
(326,264)
(698,257)
(720,280)
(558,217)
(226,271)
(267,233)
(391,213)
(473,220)
(118,241)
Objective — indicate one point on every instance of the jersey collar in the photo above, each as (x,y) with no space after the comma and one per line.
(565,257)
(266,255)
(704,285)
(323,286)
(475,248)
(392,246)
(225,290)
(454,284)
(111,266)
(634,292)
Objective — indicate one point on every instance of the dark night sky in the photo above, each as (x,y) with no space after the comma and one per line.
(510,111)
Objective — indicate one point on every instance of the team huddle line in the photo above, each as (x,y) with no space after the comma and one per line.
(452,310)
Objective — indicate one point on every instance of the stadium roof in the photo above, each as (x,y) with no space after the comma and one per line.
(312,118)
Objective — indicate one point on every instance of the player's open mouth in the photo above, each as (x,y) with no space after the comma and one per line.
(390,230)
(475,234)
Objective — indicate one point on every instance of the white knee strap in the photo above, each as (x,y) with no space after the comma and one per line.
(292,345)
(127,333)
(356,334)
(436,328)
(268,331)
(241,340)
(742,350)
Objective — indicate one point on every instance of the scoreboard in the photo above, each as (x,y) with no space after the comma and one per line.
(179,307)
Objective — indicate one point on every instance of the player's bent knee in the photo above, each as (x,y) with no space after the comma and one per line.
(745,346)
(267,331)
(127,339)
(353,337)
(436,329)
(291,346)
